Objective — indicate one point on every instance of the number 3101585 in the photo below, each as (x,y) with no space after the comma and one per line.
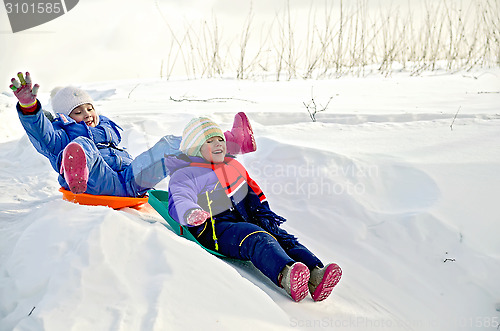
(32,8)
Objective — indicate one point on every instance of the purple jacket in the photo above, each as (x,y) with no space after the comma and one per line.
(185,185)
(191,187)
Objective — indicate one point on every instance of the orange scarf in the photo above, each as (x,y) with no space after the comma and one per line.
(232,175)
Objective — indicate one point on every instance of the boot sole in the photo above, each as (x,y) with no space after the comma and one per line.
(299,278)
(332,276)
(74,168)
(252,146)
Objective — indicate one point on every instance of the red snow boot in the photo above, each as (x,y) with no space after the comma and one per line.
(240,139)
(323,280)
(294,280)
(74,168)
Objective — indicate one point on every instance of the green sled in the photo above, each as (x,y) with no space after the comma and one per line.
(158,199)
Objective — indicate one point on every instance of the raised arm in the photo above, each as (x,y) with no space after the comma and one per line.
(46,140)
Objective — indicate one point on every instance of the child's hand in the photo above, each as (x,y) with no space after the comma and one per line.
(197,217)
(25,93)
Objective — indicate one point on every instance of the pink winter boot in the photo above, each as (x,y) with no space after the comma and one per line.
(74,168)
(323,280)
(294,280)
(240,139)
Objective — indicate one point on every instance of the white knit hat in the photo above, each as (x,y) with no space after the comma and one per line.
(196,132)
(68,98)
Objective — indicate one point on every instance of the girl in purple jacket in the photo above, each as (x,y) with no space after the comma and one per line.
(227,211)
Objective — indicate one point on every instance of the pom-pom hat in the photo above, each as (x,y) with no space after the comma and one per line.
(68,98)
(196,132)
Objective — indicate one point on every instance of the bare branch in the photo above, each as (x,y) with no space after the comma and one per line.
(313,109)
(211,100)
(451,126)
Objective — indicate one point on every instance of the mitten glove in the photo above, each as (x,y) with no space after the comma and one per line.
(197,217)
(24,91)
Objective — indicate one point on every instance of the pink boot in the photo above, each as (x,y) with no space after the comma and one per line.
(323,280)
(294,280)
(74,168)
(240,139)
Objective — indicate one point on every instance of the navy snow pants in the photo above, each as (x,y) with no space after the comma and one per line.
(249,242)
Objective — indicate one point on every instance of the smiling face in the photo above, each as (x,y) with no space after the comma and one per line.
(214,149)
(85,113)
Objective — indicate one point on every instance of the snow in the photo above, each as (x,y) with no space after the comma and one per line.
(382,184)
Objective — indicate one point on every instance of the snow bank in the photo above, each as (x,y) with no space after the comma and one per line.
(109,270)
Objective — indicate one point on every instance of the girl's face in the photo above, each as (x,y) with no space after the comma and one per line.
(214,149)
(85,113)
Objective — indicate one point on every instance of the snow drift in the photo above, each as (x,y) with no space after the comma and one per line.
(387,183)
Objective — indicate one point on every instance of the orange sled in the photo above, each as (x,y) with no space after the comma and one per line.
(103,200)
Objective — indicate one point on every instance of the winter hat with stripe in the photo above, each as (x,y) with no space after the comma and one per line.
(196,132)
(68,98)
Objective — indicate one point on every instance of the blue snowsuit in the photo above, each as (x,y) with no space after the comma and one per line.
(245,227)
(112,170)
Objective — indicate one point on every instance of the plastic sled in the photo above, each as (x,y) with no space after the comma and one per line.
(104,200)
(158,199)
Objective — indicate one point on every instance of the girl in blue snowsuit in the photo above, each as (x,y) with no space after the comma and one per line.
(227,211)
(83,147)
